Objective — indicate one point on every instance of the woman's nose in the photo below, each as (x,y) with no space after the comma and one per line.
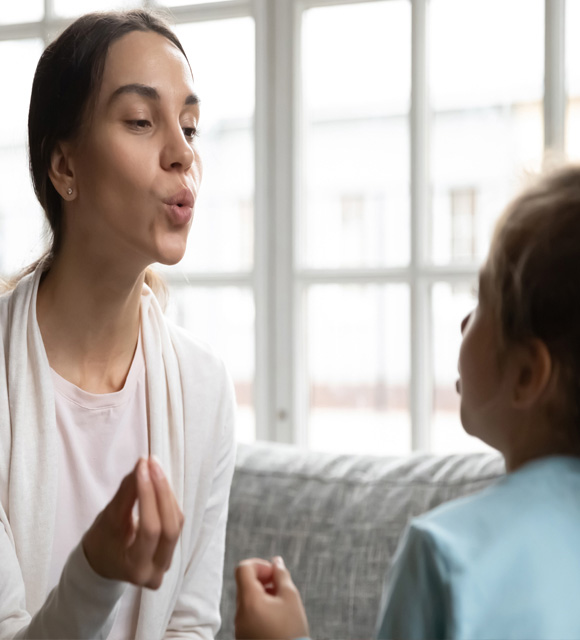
(177,152)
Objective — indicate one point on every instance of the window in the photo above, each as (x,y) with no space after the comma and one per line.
(463,225)
(573,80)
(356,157)
(20,219)
(487,112)
(220,249)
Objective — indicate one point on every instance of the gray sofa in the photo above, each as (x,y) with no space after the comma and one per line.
(336,520)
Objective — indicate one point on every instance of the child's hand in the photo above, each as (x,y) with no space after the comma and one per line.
(139,552)
(269,606)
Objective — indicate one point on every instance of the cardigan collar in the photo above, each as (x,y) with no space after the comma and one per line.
(33,472)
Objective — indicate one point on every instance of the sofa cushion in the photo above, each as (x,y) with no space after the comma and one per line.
(336,520)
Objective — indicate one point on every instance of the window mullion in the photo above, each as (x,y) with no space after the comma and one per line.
(421,371)
(554,83)
(49,16)
(282,76)
(264,285)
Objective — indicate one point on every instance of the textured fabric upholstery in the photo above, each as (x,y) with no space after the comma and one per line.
(336,520)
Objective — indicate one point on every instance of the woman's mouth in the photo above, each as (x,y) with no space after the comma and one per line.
(179,207)
(179,214)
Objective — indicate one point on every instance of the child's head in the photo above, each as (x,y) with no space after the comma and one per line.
(532,291)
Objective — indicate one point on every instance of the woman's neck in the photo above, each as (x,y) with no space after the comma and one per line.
(88,317)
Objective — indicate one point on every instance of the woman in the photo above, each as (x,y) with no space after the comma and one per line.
(99,393)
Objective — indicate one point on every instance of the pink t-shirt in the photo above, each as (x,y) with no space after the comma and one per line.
(100,438)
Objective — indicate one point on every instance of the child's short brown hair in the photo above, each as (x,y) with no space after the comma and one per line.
(534,275)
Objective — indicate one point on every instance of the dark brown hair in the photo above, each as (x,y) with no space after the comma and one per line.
(65,87)
(534,275)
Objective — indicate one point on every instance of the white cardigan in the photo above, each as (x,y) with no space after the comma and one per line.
(191,429)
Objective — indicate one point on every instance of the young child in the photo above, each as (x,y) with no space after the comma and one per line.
(504,563)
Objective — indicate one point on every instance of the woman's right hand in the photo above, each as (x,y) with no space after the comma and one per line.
(140,552)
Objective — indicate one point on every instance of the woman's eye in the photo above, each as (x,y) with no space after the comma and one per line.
(139,124)
(190,132)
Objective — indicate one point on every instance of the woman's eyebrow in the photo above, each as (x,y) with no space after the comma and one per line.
(192,99)
(148,92)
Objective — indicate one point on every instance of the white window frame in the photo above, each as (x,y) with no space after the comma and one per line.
(281,401)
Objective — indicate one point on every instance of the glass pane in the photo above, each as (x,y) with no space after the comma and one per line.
(20,217)
(223,318)
(223,230)
(573,79)
(71,8)
(18,78)
(357,350)
(355,170)
(15,12)
(488,116)
(450,304)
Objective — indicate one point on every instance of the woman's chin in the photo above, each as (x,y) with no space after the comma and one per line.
(170,256)
(170,262)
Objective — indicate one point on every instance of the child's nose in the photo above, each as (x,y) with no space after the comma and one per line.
(465,321)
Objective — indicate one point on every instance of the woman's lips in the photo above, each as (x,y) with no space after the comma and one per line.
(179,214)
(179,207)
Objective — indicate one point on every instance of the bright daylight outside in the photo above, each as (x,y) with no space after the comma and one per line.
(354,270)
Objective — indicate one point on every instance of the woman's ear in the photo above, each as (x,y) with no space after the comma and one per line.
(61,171)
(533,374)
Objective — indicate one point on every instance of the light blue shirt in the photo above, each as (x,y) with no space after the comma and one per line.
(502,564)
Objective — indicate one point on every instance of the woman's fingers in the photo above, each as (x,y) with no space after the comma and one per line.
(138,552)
(160,523)
(124,500)
(170,516)
(144,546)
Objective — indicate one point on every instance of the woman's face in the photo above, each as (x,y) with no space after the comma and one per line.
(135,165)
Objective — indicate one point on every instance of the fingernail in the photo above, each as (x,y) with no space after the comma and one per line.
(279,562)
(144,471)
(157,468)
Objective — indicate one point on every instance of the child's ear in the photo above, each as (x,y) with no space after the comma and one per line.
(61,171)
(534,370)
